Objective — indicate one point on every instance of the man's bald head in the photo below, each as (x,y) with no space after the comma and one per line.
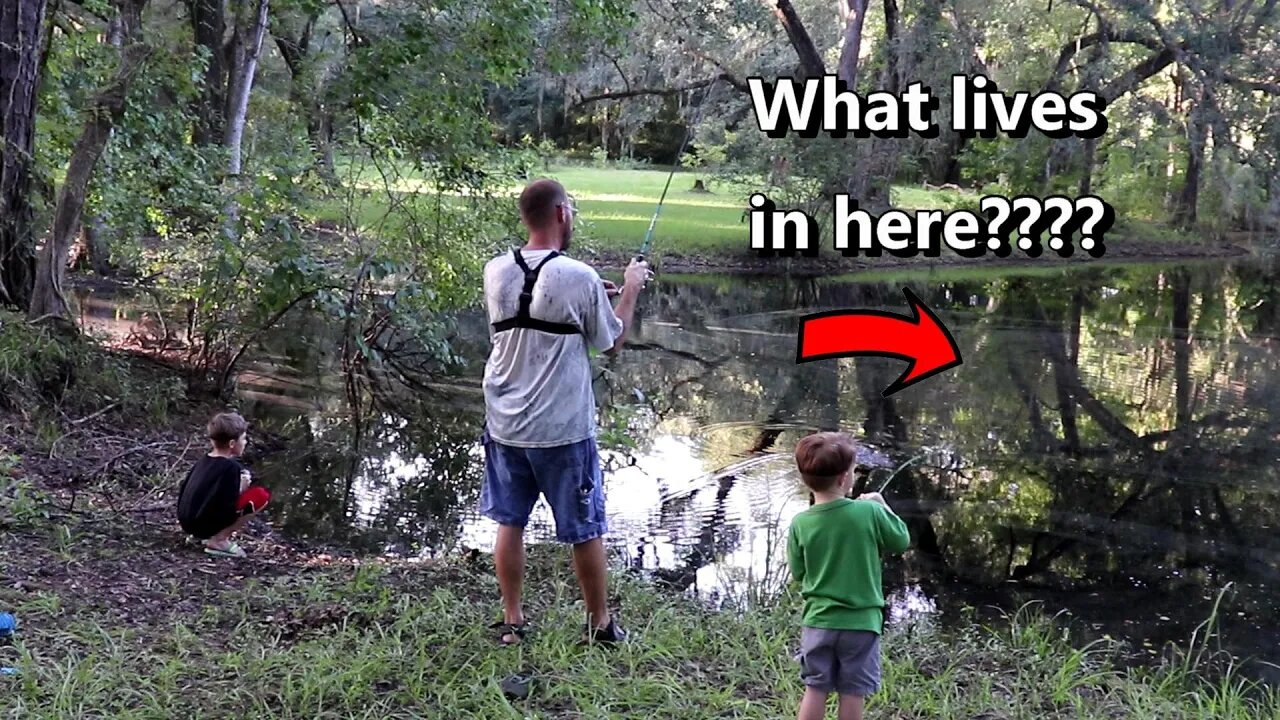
(538,203)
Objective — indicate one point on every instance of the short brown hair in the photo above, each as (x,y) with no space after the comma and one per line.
(225,427)
(823,457)
(539,200)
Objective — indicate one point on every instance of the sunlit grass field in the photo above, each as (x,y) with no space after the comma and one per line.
(615,206)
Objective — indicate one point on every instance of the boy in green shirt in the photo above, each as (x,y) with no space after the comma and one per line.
(834,551)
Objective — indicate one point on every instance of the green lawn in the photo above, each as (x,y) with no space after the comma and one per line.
(615,207)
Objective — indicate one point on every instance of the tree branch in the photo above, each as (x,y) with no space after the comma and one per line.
(1132,78)
(1070,49)
(351,28)
(270,323)
(625,80)
(639,92)
(290,51)
(725,74)
(1271,88)
(810,60)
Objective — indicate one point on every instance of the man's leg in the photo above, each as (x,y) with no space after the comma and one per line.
(509,559)
(571,479)
(589,563)
(507,497)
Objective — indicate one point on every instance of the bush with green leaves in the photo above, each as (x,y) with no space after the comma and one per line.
(43,371)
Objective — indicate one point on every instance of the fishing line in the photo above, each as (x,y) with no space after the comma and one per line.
(647,245)
(895,472)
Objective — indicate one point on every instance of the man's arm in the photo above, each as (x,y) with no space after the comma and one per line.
(636,275)
(626,312)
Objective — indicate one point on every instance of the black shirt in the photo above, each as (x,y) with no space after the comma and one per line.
(207,498)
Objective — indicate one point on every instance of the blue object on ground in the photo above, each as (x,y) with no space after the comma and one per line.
(7,625)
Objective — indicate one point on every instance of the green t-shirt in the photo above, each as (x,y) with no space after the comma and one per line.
(834,551)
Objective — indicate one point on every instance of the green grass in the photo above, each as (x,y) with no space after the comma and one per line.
(372,640)
(616,205)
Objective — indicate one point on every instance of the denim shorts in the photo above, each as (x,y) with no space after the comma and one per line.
(568,476)
(846,661)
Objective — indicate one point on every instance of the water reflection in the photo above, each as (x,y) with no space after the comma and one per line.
(1108,445)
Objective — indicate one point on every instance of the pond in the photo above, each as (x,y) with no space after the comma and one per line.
(1109,446)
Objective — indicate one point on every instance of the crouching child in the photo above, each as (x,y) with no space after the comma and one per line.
(217,497)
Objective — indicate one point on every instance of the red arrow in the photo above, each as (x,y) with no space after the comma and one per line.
(921,339)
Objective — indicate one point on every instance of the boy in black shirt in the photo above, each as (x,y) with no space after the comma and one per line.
(215,499)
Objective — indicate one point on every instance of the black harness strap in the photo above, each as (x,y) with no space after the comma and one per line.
(522,318)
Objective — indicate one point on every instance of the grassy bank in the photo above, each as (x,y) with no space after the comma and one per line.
(121,617)
(313,637)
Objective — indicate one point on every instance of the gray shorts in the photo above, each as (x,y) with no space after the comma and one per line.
(843,661)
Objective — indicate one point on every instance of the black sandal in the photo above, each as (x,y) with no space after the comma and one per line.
(517,629)
(609,635)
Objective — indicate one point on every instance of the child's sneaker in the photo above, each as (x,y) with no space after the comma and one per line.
(229,550)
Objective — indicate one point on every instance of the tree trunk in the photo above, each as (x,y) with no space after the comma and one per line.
(542,92)
(1062,381)
(21,32)
(875,158)
(811,64)
(47,300)
(1090,158)
(238,105)
(209,26)
(891,46)
(1197,135)
(90,249)
(306,96)
(320,135)
(853,22)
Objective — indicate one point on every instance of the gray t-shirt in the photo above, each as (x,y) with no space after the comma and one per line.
(537,385)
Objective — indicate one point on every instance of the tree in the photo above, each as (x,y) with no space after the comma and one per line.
(208,24)
(308,80)
(47,300)
(248,45)
(21,34)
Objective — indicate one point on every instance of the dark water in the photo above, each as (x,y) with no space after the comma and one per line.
(1108,447)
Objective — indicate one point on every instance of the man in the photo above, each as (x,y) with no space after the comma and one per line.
(546,311)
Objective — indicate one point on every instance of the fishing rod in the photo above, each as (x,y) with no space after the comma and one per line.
(647,245)
(895,472)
